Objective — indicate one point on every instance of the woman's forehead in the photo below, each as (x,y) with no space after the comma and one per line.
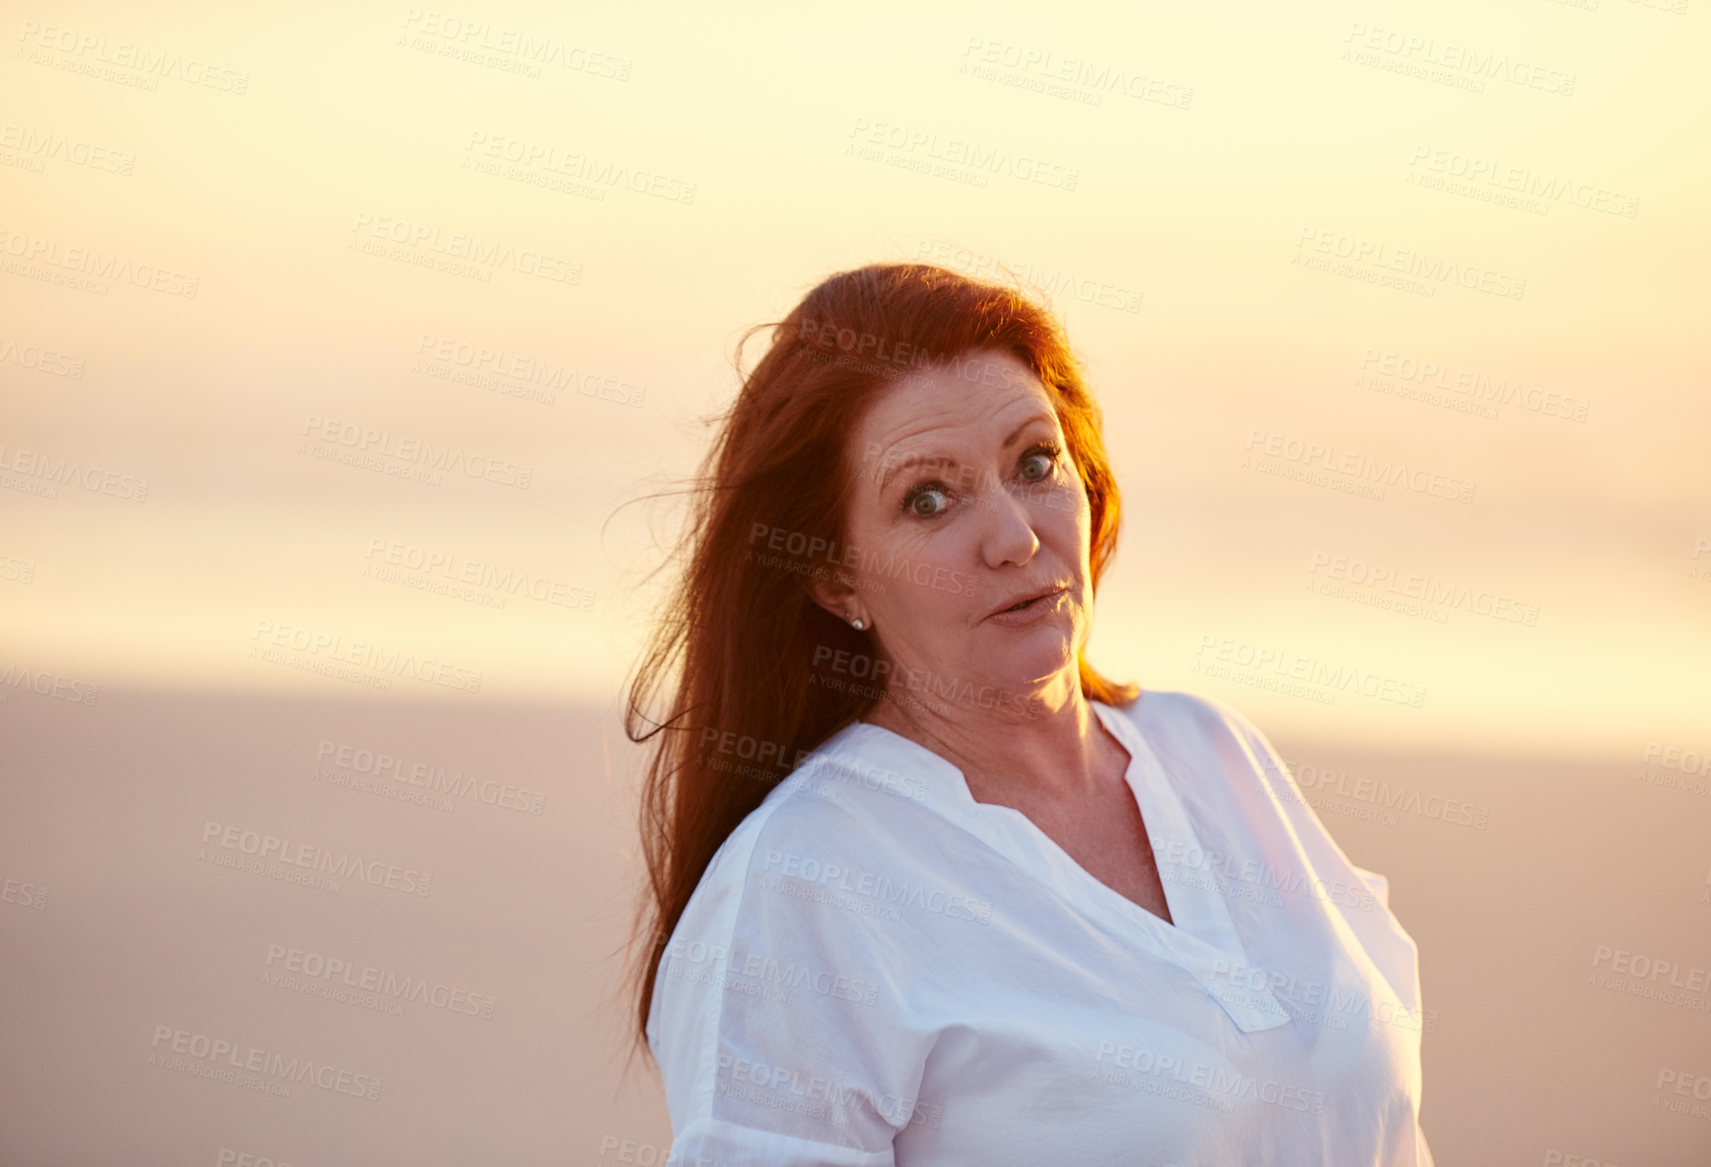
(986,390)
(935,421)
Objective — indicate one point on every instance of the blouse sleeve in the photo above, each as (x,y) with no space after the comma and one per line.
(777,1023)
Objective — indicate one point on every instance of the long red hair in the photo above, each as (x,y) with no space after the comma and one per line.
(731,656)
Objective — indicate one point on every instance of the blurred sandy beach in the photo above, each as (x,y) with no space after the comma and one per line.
(505,1043)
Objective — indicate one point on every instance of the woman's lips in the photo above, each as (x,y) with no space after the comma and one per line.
(1032,609)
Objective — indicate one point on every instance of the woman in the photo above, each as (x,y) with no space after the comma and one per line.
(925,887)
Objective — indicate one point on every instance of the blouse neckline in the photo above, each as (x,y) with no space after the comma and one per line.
(1203,940)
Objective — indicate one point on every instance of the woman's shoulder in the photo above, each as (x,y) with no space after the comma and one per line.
(1231,767)
(798,884)
(1186,723)
(1176,705)
(1220,762)
(841,802)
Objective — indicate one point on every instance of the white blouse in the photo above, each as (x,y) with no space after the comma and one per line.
(877,969)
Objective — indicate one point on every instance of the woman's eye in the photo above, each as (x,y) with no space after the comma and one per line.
(1040,462)
(928,502)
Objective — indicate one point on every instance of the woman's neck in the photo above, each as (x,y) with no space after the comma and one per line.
(1062,752)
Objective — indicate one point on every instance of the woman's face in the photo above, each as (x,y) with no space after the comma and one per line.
(965,501)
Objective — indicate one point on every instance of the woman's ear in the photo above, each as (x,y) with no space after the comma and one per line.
(836,593)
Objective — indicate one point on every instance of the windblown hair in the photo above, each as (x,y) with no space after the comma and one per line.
(731,656)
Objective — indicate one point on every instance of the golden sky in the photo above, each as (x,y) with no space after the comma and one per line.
(1407,293)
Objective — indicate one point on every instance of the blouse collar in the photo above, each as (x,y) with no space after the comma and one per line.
(1202,940)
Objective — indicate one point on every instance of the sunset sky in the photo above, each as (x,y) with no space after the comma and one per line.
(534,237)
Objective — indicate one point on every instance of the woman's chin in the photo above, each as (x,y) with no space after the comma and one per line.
(1035,656)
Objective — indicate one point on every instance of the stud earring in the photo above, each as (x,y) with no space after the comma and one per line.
(857,623)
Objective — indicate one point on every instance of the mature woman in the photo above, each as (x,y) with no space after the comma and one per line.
(925,887)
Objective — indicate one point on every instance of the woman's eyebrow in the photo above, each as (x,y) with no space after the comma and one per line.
(939,461)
